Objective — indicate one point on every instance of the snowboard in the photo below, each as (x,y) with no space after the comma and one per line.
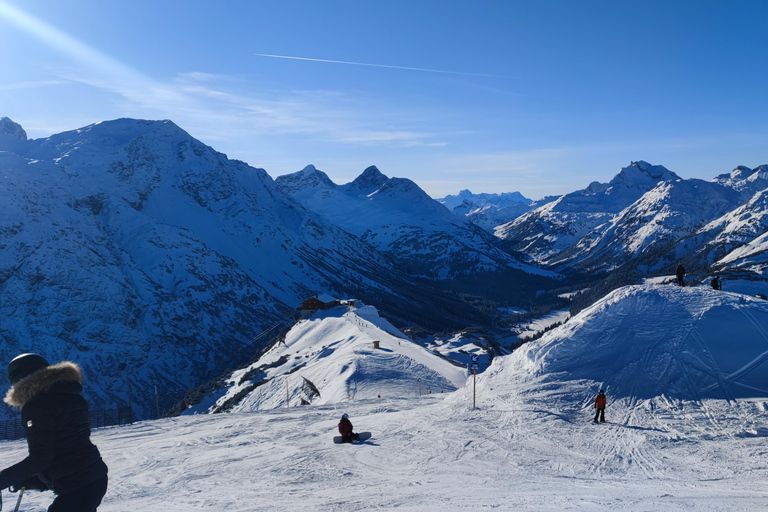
(363,436)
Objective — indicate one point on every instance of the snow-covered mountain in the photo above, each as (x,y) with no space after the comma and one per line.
(337,355)
(401,220)
(663,215)
(669,220)
(550,229)
(131,242)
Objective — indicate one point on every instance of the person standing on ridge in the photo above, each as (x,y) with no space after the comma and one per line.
(600,406)
(680,274)
(716,283)
(58,429)
(345,429)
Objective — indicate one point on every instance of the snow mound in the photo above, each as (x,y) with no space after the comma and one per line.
(336,356)
(648,341)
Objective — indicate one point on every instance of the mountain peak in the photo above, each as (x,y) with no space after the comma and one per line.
(306,179)
(372,174)
(643,175)
(11,130)
(369,181)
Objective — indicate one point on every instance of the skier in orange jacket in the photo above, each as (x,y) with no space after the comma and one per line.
(600,406)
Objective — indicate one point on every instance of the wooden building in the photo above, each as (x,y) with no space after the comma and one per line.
(324,301)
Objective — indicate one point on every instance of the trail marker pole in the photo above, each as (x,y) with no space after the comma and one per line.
(121,367)
(157,401)
(130,407)
(287,394)
(474,389)
(419,388)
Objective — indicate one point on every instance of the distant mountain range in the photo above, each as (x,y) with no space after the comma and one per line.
(129,243)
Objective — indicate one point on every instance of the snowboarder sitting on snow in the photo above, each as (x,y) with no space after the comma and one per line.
(345,429)
(680,274)
(57,425)
(716,284)
(600,406)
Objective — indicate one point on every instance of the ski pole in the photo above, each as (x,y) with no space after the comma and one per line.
(18,501)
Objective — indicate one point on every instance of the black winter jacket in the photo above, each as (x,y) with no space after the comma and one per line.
(57,425)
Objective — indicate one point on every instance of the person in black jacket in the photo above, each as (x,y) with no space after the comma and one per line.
(680,273)
(57,425)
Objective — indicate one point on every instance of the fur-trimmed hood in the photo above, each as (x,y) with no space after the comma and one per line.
(41,381)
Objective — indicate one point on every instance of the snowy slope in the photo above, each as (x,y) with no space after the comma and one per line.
(643,342)
(131,242)
(554,227)
(334,351)
(528,446)
(401,220)
(463,345)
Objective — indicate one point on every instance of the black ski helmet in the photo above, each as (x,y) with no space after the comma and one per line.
(25,365)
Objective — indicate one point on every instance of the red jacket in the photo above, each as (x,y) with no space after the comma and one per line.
(345,427)
(600,402)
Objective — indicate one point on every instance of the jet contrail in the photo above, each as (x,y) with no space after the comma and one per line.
(375,65)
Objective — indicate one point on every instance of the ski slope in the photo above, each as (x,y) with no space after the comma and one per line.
(529,445)
(512,453)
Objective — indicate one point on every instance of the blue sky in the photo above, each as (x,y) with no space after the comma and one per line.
(495,96)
